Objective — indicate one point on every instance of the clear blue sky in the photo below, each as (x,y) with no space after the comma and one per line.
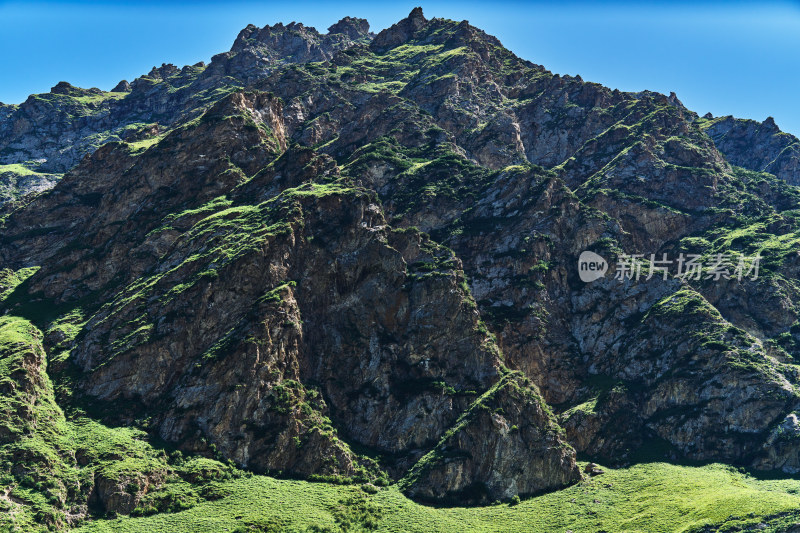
(740,58)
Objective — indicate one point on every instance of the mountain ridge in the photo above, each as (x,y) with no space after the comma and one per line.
(364,270)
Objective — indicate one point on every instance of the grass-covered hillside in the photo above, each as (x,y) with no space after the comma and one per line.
(650,497)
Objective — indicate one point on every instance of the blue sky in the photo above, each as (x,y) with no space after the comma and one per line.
(740,58)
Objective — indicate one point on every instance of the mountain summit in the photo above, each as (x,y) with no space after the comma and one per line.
(354,258)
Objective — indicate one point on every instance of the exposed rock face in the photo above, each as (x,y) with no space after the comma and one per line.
(17,182)
(402,32)
(760,146)
(355,28)
(122,87)
(682,373)
(479,458)
(318,272)
(50,133)
(117,494)
(257,51)
(365,265)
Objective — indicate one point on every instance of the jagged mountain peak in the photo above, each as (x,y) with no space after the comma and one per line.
(769,123)
(348,28)
(416,16)
(754,145)
(252,33)
(400,32)
(355,28)
(164,71)
(257,51)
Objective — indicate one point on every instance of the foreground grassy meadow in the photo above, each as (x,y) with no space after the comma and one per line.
(650,497)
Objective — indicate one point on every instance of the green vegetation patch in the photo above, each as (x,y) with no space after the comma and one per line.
(50,463)
(10,279)
(652,497)
(18,169)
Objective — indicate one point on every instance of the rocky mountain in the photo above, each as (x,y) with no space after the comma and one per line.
(759,146)
(49,133)
(354,258)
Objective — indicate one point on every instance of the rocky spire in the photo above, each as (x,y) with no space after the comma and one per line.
(402,31)
(770,124)
(122,87)
(355,28)
(416,18)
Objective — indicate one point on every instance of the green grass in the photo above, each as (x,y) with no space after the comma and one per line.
(17,169)
(80,102)
(682,302)
(99,98)
(10,279)
(650,497)
(390,86)
(33,434)
(144,144)
(49,461)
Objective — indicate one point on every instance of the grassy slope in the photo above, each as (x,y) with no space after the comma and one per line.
(647,497)
(16,169)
